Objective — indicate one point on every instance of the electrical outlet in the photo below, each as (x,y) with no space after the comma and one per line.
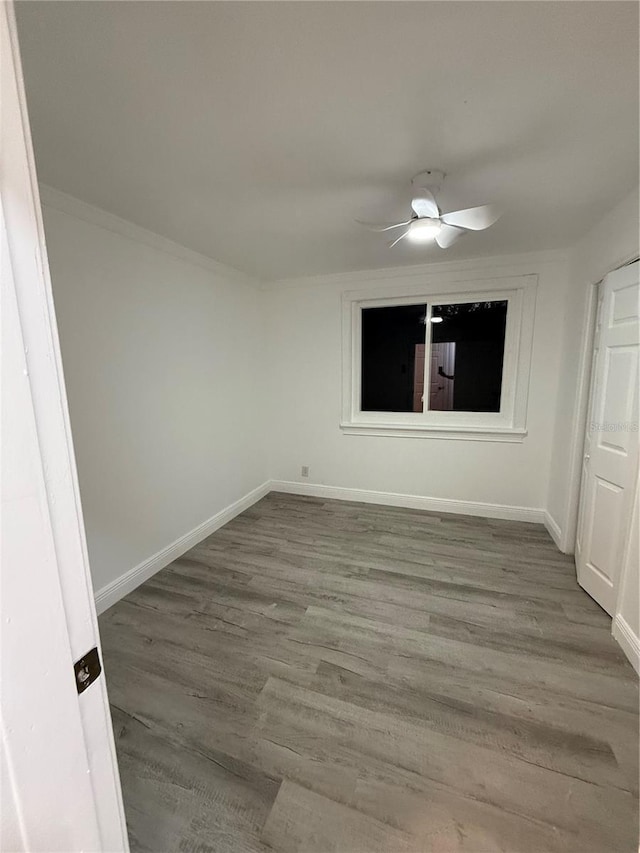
(305,471)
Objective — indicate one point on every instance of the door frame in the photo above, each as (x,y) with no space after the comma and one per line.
(580,415)
(44,418)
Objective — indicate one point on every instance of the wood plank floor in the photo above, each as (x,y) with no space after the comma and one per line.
(328,676)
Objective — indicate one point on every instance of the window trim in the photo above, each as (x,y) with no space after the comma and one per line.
(507,425)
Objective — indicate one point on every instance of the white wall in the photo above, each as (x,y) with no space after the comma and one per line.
(163,359)
(305,360)
(612,242)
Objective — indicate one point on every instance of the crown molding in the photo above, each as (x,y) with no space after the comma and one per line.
(72,206)
(519,264)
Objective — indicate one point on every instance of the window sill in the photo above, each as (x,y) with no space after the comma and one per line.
(465,433)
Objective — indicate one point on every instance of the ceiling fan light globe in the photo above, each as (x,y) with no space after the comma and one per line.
(423,230)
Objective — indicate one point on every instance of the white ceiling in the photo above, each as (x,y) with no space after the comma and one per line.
(257,132)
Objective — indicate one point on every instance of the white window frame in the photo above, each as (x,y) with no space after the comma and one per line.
(509,424)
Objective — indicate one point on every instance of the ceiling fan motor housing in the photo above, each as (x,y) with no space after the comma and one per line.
(428,179)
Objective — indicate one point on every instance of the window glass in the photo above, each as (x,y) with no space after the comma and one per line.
(393,348)
(467,354)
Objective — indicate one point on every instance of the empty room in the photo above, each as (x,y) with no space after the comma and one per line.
(320,426)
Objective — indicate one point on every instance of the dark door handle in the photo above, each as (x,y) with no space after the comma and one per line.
(446,375)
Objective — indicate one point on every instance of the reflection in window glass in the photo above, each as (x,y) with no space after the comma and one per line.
(393,358)
(467,354)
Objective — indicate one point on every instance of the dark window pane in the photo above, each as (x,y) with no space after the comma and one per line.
(467,354)
(393,358)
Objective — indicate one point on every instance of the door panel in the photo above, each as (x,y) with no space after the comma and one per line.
(625,304)
(606,508)
(611,442)
(618,398)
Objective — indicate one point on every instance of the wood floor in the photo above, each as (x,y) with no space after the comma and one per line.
(328,676)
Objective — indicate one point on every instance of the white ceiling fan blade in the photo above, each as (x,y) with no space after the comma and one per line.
(382,226)
(397,240)
(447,236)
(424,204)
(473,218)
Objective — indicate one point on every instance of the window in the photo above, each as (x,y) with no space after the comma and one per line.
(452,363)
(467,356)
(392,358)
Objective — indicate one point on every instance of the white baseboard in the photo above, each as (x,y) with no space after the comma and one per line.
(629,642)
(127,582)
(485,510)
(121,586)
(553,528)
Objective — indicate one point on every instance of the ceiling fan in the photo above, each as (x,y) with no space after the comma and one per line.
(427,223)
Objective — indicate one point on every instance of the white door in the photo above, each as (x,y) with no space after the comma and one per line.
(59,783)
(443,357)
(611,444)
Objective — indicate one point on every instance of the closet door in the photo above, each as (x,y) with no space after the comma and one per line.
(611,444)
